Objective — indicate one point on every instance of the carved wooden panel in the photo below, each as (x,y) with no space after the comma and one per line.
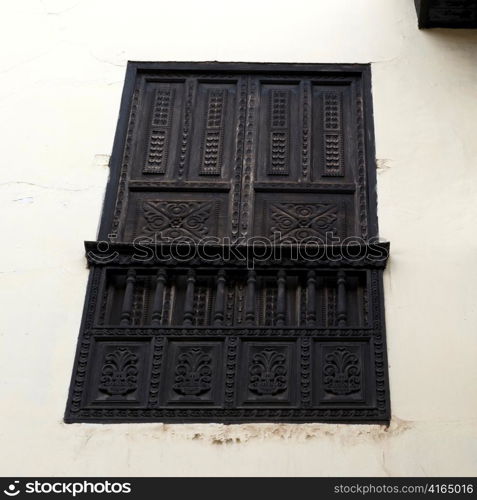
(269,373)
(201,304)
(119,374)
(332,134)
(343,373)
(301,217)
(213,136)
(158,147)
(194,374)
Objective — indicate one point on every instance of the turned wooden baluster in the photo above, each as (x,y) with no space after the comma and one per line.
(158,301)
(311,299)
(281,299)
(341,315)
(220,299)
(250,301)
(126,310)
(189,299)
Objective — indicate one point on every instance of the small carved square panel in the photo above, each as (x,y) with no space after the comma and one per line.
(339,371)
(267,373)
(193,374)
(119,373)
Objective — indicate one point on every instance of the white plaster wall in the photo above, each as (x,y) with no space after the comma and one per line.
(62,66)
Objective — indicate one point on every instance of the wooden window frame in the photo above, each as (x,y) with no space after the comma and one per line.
(146,345)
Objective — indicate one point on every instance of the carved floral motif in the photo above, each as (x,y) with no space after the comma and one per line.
(193,375)
(119,373)
(342,372)
(268,372)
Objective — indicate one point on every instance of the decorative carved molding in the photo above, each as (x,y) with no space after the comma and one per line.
(241,131)
(306,187)
(125,166)
(229,415)
(306,375)
(357,256)
(186,127)
(239,331)
(249,157)
(156,371)
(230,371)
(306,132)
(361,152)
(183,186)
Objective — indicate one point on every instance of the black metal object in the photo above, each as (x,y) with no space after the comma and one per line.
(446,13)
(204,304)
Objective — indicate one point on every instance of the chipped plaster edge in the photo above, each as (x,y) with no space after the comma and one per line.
(221,434)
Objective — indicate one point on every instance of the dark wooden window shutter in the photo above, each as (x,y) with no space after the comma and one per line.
(201,304)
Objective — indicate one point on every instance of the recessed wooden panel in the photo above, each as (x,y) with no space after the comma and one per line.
(268,371)
(119,374)
(193,373)
(176,215)
(213,141)
(278,156)
(303,217)
(341,373)
(157,146)
(335,148)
